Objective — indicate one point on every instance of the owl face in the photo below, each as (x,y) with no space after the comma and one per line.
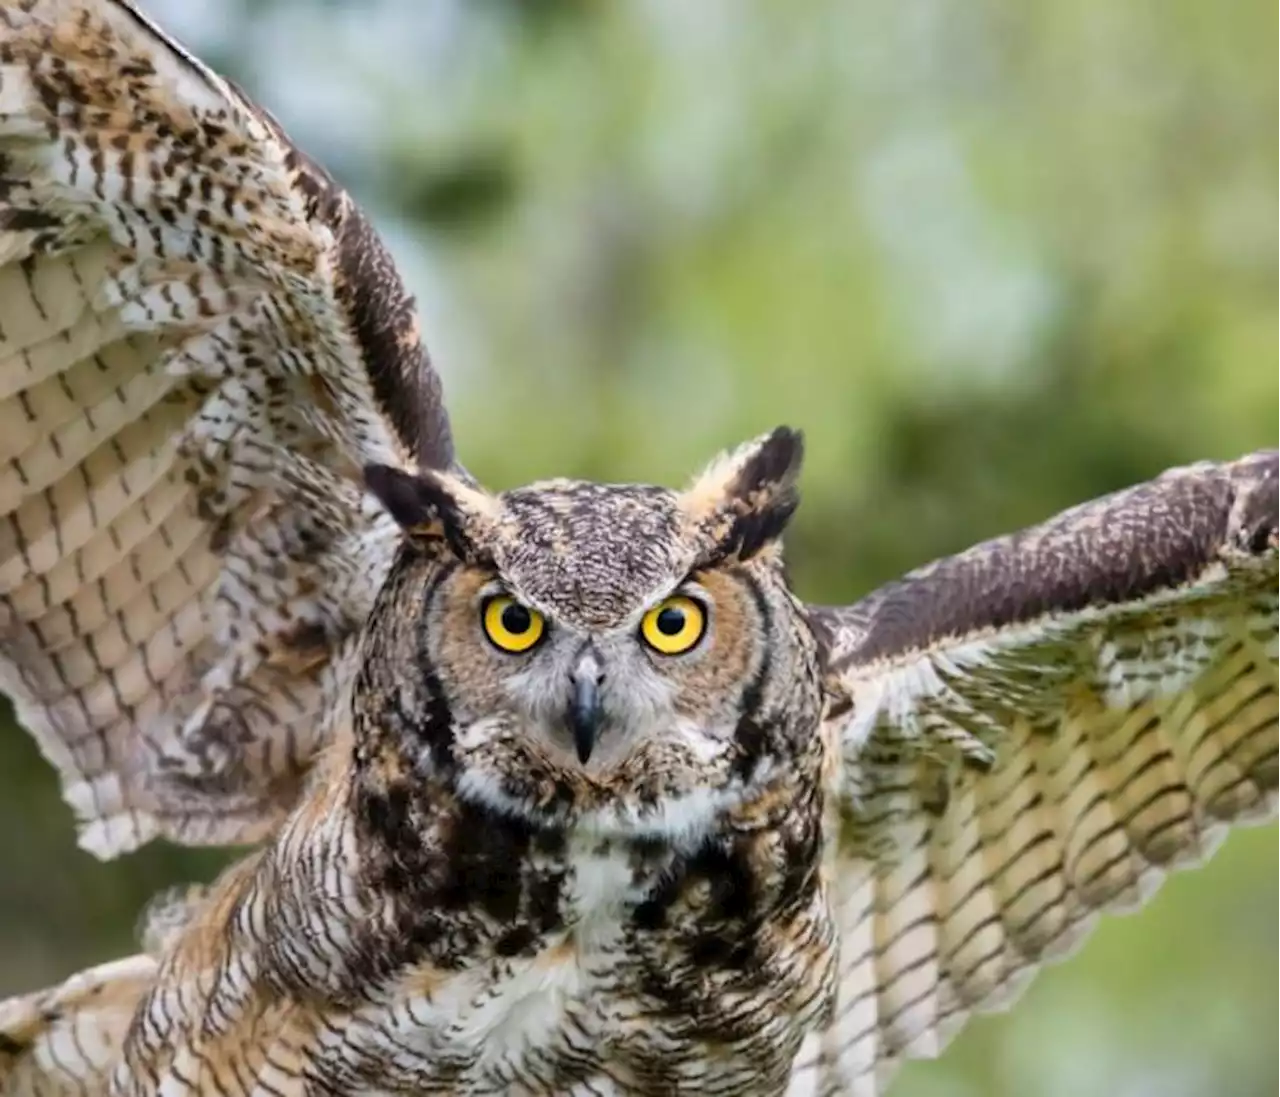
(625,658)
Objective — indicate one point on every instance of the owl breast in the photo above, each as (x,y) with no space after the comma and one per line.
(644,989)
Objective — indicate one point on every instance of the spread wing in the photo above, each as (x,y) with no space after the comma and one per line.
(1035,731)
(202,342)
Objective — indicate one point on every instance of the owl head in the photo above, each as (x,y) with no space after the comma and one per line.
(623,658)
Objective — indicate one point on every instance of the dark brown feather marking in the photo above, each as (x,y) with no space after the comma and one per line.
(754,734)
(756,503)
(384,316)
(382,313)
(1121,547)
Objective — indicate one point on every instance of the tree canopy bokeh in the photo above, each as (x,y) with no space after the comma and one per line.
(993,257)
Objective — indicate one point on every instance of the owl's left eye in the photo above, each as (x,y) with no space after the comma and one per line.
(510,625)
(674,625)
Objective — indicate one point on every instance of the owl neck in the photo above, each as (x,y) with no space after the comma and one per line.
(447,869)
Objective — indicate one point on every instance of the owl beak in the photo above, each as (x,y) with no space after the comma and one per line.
(585,711)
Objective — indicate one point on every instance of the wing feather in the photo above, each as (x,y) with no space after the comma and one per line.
(1035,732)
(202,341)
(65,1042)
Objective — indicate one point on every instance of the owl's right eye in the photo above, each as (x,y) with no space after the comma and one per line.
(511,626)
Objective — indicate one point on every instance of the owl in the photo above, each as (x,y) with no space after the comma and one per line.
(556,790)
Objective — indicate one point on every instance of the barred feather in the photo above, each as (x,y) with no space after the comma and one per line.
(66,1042)
(1036,732)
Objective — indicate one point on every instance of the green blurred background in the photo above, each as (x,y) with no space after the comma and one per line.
(994,257)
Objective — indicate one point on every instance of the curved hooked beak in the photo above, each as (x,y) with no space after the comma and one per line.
(586,713)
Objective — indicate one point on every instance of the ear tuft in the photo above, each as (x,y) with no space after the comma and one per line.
(745,499)
(405,496)
(771,463)
(435,510)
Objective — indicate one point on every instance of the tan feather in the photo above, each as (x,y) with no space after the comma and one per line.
(65,1042)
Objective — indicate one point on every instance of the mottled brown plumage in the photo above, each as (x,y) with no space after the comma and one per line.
(559,790)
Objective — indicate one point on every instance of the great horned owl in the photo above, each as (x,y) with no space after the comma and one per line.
(559,790)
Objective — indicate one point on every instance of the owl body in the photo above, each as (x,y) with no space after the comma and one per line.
(644,976)
(502,960)
(515,917)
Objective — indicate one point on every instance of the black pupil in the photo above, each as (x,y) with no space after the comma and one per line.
(670,621)
(515,618)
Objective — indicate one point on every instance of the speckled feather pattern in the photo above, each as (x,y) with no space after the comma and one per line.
(800,853)
(188,313)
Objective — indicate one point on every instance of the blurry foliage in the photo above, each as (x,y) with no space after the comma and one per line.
(994,258)
(466,193)
(537,15)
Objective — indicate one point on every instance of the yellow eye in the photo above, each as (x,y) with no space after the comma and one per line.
(511,626)
(673,627)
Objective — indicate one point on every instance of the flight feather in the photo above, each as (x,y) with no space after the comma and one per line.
(202,343)
(1034,731)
